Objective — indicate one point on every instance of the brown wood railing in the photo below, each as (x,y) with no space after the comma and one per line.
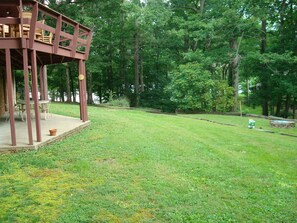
(43,24)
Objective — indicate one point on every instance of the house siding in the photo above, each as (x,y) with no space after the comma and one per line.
(2,101)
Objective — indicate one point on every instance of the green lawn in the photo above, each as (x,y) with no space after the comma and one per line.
(261,123)
(133,166)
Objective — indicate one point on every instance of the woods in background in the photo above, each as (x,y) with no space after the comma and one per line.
(198,55)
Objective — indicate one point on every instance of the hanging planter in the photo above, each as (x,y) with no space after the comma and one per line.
(53,132)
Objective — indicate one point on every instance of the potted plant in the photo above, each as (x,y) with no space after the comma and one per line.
(53,132)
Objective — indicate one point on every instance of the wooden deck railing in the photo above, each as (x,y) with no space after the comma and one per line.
(40,23)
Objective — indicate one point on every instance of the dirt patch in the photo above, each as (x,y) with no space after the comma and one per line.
(105,161)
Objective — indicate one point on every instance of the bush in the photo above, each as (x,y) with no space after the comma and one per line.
(120,102)
(193,89)
(157,99)
(113,100)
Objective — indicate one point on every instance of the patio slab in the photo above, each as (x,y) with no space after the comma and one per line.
(65,125)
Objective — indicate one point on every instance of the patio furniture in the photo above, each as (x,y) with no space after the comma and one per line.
(43,105)
(4,30)
(16,111)
(26,27)
(39,33)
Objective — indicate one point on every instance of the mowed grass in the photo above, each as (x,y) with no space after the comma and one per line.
(133,166)
(238,121)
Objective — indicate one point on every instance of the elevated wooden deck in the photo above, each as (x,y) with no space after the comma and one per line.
(27,24)
(32,36)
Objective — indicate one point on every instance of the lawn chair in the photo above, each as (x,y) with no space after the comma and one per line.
(26,27)
(42,36)
(17,110)
(4,30)
(44,108)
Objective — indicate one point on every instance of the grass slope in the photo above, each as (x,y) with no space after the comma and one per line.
(132,166)
(261,124)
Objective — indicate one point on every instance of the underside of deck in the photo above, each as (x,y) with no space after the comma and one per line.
(44,53)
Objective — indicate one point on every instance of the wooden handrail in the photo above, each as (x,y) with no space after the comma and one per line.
(79,36)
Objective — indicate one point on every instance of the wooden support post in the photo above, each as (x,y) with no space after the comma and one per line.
(74,40)
(85,92)
(27,96)
(33,25)
(10,96)
(41,83)
(22,21)
(57,34)
(45,86)
(35,95)
(89,40)
(80,77)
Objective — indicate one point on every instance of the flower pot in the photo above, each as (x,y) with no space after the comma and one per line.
(53,132)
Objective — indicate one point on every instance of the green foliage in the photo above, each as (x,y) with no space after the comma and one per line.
(276,77)
(225,38)
(157,99)
(114,100)
(222,95)
(120,102)
(192,88)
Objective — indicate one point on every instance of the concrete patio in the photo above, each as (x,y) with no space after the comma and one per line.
(65,125)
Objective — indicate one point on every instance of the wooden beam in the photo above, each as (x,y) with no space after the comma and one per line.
(27,96)
(11,43)
(39,59)
(58,34)
(33,25)
(10,96)
(35,95)
(80,90)
(10,21)
(45,88)
(21,19)
(74,40)
(85,92)
(89,40)
(41,82)
(15,60)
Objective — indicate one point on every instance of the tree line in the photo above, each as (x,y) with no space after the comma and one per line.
(197,55)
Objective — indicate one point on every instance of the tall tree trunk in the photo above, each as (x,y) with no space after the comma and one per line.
(73,90)
(234,71)
(90,88)
(263,36)
(141,74)
(123,68)
(271,109)
(264,84)
(123,54)
(278,106)
(287,106)
(265,107)
(109,68)
(294,108)
(110,71)
(282,24)
(202,6)
(247,91)
(136,63)
(68,90)
(62,99)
